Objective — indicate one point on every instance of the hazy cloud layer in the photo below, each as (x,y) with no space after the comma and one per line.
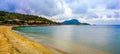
(91,11)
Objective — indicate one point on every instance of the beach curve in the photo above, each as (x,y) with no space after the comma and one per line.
(13,43)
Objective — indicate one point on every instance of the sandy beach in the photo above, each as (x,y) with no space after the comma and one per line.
(12,43)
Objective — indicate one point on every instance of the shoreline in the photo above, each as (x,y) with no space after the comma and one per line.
(13,43)
(53,49)
(80,48)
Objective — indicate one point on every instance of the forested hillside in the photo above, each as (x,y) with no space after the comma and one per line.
(8,18)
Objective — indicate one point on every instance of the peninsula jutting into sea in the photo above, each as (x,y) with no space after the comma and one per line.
(11,18)
(17,43)
(59,26)
(13,43)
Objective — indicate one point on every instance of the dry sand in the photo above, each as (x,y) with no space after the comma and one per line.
(12,43)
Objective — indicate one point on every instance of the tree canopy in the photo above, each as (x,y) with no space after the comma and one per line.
(22,19)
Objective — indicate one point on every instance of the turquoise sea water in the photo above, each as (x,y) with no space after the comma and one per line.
(71,38)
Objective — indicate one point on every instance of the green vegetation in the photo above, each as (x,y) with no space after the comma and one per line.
(7,18)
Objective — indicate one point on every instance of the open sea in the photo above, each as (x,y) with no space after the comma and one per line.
(75,39)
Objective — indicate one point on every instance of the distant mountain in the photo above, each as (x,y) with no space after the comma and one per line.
(10,18)
(73,22)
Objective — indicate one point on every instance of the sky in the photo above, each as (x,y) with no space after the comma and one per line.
(100,12)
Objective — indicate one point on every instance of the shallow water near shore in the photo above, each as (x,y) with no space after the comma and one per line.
(76,39)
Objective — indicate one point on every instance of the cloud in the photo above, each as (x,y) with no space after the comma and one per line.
(91,15)
(78,7)
(113,4)
(101,21)
(60,10)
(37,7)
